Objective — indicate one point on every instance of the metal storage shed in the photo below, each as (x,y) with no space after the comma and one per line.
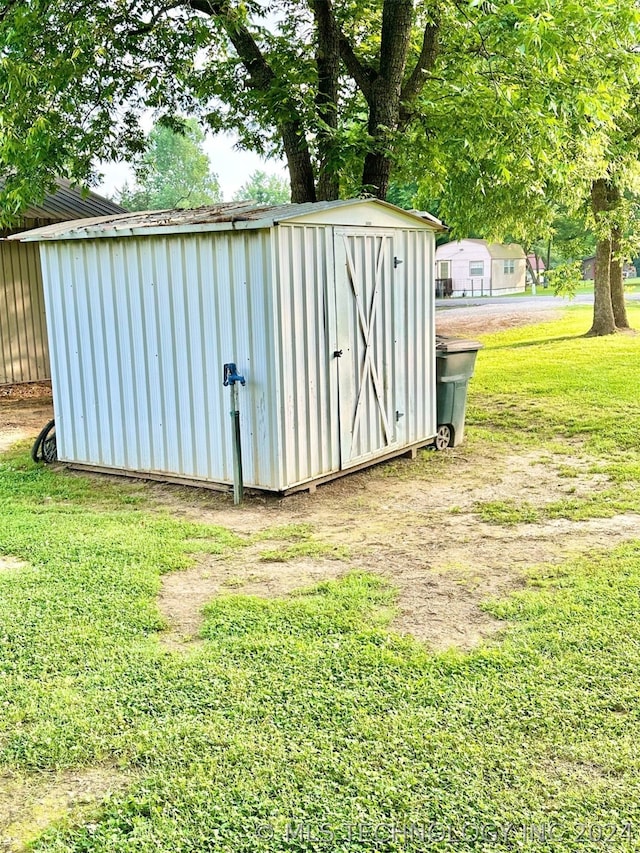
(327,309)
(24,353)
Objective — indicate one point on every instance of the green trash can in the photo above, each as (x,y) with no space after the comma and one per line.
(455,360)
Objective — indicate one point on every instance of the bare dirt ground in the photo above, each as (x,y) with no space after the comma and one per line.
(482,319)
(394,519)
(24,410)
(28,804)
(444,564)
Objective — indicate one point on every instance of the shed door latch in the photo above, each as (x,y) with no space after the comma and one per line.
(396,263)
(399,415)
(337,353)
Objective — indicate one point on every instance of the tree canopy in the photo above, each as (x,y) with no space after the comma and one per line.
(173,172)
(348,90)
(264,188)
(497,109)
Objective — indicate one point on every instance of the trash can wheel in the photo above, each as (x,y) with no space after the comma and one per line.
(444,437)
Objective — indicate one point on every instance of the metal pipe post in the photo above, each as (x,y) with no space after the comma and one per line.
(231,378)
(238,485)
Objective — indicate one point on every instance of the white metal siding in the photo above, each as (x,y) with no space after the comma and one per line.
(141,326)
(140,330)
(311,378)
(415,336)
(305,319)
(24,355)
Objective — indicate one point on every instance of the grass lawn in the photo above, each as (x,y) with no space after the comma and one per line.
(305,724)
(631,285)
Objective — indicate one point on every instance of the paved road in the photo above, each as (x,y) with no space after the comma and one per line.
(521,304)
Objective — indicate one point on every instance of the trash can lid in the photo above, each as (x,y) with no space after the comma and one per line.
(444,344)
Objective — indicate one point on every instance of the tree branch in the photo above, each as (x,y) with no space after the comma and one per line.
(362,75)
(262,77)
(246,47)
(414,84)
(146,27)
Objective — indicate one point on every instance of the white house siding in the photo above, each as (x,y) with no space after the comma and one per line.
(462,255)
(139,332)
(504,283)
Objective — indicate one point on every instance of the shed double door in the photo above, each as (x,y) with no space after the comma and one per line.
(367,300)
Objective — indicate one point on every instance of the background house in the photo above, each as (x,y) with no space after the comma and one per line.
(589,265)
(24,353)
(535,267)
(477,268)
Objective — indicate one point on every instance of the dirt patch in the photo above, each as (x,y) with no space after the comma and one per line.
(481,319)
(444,564)
(23,417)
(26,391)
(416,523)
(11,564)
(184,594)
(28,804)
(445,574)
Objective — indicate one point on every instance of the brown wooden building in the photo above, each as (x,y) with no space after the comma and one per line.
(24,352)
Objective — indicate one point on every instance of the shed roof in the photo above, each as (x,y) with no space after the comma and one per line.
(69,203)
(220,217)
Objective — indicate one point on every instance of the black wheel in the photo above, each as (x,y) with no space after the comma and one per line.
(444,437)
(44,447)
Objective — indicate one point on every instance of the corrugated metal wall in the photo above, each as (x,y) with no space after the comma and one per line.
(316,316)
(415,336)
(140,330)
(305,317)
(24,355)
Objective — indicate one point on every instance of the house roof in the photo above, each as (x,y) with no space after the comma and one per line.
(220,217)
(498,251)
(70,203)
(536,262)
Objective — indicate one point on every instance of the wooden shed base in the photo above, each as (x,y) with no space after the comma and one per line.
(310,486)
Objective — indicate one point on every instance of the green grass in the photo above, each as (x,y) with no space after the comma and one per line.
(547,386)
(304,711)
(631,285)
(308,711)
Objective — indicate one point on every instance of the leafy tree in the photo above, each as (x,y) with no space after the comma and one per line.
(173,172)
(314,83)
(266,189)
(494,108)
(343,87)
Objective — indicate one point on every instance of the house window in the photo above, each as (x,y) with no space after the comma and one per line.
(476,269)
(509,267)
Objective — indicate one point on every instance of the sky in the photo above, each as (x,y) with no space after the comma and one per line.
(232,167)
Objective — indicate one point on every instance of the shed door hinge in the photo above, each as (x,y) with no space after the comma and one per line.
(396,263)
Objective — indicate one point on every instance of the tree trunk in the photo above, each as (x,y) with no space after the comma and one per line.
(328,65)
(296,150)
(616,281)
(534,273)
(603,319)
(263,78)
(385,94)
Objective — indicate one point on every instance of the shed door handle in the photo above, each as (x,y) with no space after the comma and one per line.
(337,353)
